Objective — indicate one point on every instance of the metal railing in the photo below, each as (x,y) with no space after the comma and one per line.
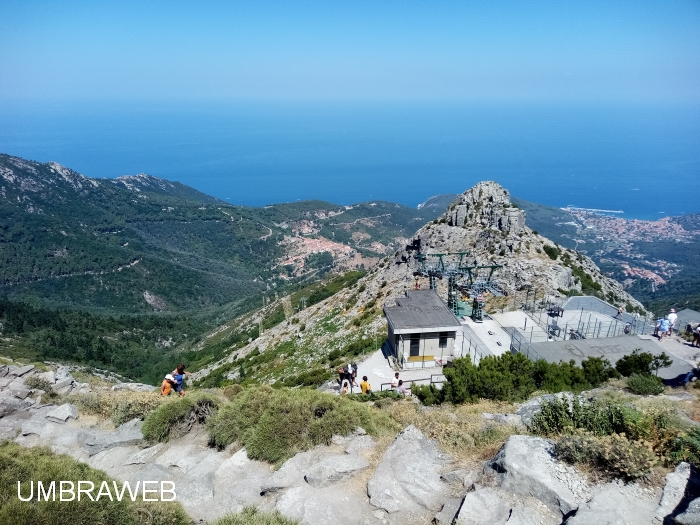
(434,379)
(519,344)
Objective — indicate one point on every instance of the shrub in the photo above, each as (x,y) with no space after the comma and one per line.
(377,396)
(551,251)
(252,516)
(36,382)
(275,424)
(513,377)
(615,454)
(428,394)
(687,447)
(645,385)
(637,362)
(314,377)
(232,391)
(40,464)
(178,415)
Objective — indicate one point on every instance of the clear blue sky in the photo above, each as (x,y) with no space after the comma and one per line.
(432,50)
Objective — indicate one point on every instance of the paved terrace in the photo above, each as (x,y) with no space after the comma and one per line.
(612,348)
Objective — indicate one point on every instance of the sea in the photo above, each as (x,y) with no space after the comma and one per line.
(640,159)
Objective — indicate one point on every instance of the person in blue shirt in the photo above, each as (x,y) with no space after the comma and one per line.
(179,376)
(664,327)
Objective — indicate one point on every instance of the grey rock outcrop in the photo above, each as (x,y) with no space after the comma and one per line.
(449,511)
(95,441)
(525,465)
(12,404)
(143,455)
(674,490)
(691,515)
(359,444)
(483,507)
(62,413)
(617,504)
(133,387)
(407,478)
(19,372)
(334,469)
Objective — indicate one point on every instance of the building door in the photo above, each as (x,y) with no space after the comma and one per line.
(415,345)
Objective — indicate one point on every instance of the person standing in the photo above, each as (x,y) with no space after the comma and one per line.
(395,381)
(696,336)
(672,318)
(179,377)
(663,328)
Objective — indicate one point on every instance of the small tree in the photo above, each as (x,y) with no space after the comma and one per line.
(660,361)
(637,362)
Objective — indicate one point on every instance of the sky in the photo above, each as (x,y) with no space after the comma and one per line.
(492,50)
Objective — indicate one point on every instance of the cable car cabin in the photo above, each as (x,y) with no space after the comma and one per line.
(422,329)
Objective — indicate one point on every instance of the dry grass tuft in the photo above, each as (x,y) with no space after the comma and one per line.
(120,406)
(460,431)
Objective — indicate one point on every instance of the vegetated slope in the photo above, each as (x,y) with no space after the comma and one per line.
(139,244)
(665,252)
(307,347)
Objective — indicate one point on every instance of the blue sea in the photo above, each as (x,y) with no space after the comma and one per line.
(641,159)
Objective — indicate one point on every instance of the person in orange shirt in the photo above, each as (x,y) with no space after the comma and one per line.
(167,385)
(365,386)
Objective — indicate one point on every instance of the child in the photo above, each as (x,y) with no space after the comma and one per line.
(167,385)
(345,388)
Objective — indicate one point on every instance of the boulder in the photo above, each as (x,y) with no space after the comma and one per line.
(95,441)
(505,419)
(10,404)
(407,478)
(19,391)
(617,504)
(133,387)
(4,370)
(63,386)
(62,413)
(142,455)
(324,506)
(674,490)
(521,515)
(447,515)
(23,370)
(359,444)
(691,515)
(525,465)
(49,377)
(62,373)
(334,469)
(483,507)
(464,477)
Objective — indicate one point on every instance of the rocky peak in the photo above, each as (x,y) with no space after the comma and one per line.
(487,204)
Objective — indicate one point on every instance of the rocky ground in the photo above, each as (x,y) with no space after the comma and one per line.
(357,479)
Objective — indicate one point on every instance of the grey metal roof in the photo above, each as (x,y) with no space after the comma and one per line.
(420,309)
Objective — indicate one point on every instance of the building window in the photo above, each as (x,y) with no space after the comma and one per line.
(443,339)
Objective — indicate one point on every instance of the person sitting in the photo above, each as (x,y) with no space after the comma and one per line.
(167,385)
(365,386)
(401,389)
(696,336)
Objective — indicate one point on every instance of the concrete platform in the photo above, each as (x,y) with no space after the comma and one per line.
(612,348)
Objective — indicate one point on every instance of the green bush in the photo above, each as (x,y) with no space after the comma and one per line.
(687,447)
(615,454)
(41,384)
(645,385)
(642,363)
(551,251)
(232,391)
(40,464)
(178,414)
(376,396)
(428,394)
(513,377)
(315,377)
(252,516)
(275,424)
